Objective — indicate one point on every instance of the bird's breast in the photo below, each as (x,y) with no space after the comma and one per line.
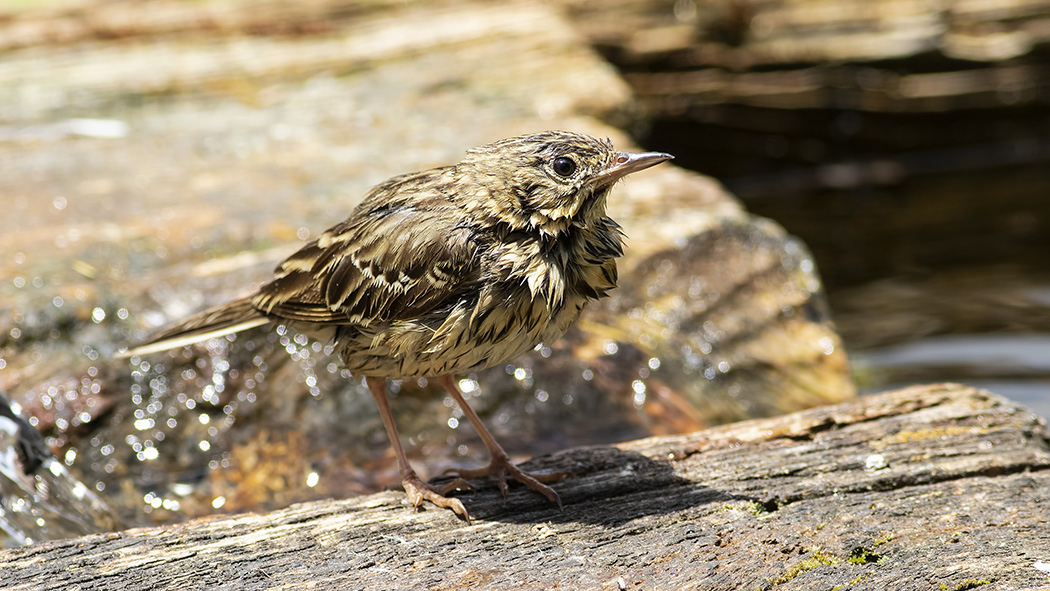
(530,292)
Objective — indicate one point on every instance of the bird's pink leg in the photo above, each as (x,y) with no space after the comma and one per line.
(417,490)
(500,466)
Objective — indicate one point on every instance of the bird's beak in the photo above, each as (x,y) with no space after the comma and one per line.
(624,163)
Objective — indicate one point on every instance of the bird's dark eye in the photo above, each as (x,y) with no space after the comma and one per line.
(564,166)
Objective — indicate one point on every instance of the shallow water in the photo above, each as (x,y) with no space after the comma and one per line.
(1016,366)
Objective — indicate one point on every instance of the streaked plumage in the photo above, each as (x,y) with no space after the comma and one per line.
(450,270)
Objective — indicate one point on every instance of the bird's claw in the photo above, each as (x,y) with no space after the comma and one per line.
(501,467)
(419,491)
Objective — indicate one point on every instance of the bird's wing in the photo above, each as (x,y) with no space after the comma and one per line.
(390,263)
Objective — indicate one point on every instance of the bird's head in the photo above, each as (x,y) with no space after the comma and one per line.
(549,181)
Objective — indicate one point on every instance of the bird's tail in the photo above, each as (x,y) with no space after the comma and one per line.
(229,318)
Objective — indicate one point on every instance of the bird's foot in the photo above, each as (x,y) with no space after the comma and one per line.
(501,467)
(419,491)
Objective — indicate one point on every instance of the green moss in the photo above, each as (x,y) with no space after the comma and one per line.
(882,540)
(757,509)
(862,555)
(818,558)
(967,584)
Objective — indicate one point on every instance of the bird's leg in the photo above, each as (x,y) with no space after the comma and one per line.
(500,466)
(417,490)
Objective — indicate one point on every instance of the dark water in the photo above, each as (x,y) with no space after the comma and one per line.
(930,230)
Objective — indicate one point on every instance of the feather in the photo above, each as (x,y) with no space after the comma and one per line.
(217,322)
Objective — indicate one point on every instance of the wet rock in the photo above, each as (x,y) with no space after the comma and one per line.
(39,498)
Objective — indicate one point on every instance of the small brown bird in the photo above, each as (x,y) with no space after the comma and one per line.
(449,271)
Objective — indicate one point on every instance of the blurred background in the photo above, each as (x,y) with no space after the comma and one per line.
(907,143)
(161,156)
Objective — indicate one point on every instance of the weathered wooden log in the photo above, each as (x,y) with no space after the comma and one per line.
(933,487)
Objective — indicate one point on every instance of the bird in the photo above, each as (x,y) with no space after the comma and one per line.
(448,271)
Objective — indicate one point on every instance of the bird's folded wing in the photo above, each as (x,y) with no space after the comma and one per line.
(394,264)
